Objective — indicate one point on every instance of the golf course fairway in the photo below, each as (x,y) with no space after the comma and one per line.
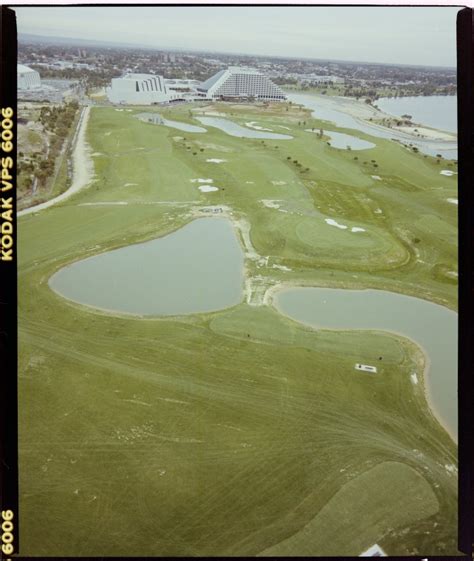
(237,432)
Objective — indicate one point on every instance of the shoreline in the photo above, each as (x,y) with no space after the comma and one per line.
(83,168)
(361,113)
(269,300)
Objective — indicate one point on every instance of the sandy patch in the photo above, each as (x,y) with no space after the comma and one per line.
(119,110)
(357,229)
(254,125)
(269,203)
(447,172)
(250,182)
(378,211)
(200,180)
(97,154)
(208,188)
(281,267)
(425,132)
(332,222)
(129,184)
(414,378)
(452,201)
(377,177)
(278,182)
(215,161)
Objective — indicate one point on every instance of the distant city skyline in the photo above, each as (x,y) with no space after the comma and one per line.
(390,35)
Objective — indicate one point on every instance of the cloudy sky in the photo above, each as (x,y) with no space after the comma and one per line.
(411,35)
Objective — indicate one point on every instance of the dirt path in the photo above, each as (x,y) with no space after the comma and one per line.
(83,169)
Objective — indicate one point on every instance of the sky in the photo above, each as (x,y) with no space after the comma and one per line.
(394,35)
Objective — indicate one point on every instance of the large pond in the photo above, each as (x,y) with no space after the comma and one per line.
(437,111)
(331,109)
(198,268)
(432,326)
(233,129)
(157,119)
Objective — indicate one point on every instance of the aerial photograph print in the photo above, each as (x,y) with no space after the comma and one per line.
(237,281)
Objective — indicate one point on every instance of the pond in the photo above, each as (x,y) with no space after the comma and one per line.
(157,119)
(346,141)
(198,268)
(233,129)
(432,326)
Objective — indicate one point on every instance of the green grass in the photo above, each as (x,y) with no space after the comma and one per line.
(238,432)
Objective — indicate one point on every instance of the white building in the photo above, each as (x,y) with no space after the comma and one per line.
(28,79)
(138,89)
(183,89)
(241,82)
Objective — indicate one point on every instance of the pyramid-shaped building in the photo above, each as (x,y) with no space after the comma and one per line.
(240,82)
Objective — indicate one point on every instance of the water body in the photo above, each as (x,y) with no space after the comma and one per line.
(242,132)
(437,111)
(157,119)
(329,109)
(432,326)
(347,141)
(198,268)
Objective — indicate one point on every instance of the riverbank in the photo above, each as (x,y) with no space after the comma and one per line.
(350,113)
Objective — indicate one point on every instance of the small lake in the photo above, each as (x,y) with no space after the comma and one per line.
(198,268)
(330,109)
(432,326)
(157,119)
(233,129)
(437,111)
(346,141)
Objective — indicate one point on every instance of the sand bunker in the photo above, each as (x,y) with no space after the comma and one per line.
(129,184)
(332,222)
(215,161)
(270,203)
(208,188)
(377,177)
(278,182)
(255,126)
(200,180)
(447,172)
(452,201)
